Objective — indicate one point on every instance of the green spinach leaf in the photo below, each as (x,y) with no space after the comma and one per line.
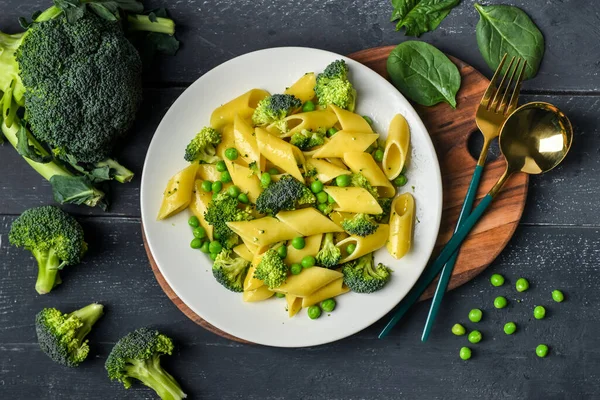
(420,16)
(423,73)
(507,29)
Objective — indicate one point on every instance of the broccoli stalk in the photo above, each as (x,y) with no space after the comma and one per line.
(145,23)
(329,255)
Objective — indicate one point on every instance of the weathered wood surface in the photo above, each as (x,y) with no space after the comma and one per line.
(555,246)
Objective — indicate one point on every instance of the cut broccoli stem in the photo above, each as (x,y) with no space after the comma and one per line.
(48,14)
(119,172)
(88,316)
(151,374)
(48,268)
(137,22)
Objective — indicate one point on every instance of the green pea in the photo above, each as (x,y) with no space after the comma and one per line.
(298,243)
(500,302)
(510,328)
(207,186)
(458,330)
(465,353)
(400,180)
(316,187)
(234,191)
(322,207)
(343,180)
(475,337)
(280,295)
(196,243)
(308,261)
(225,177)
(497,280)
(322,197)
(282,251)
(243,198)
(541,350)
(308,106)
(199,232)
(231,153)
(217,186)
(215,247)
(350,248)
(265,179)
(213,256)
(539,312)
(205,247)
(221,166)
(328,305)
(475,315)
(378,155)
(330,199)
(194,222)
(273,171)
(368,119)
(522,284)
(558,296)
(331,131)
(215,195)
(295,269)
(314,312)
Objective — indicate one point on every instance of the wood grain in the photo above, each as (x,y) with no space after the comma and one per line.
(450,131)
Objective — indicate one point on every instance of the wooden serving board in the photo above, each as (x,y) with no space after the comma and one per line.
(450,130)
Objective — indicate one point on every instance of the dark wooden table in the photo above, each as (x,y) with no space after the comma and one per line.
(556,245)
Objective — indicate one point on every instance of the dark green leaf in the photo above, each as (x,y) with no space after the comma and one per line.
(103,12)
(420,16)
(72,189)
(152,17)
(506,29)
(74,14)
(25,149)
(423,73)
(162,43)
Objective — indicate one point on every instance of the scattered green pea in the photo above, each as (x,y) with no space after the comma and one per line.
(196,243)
(231,153)
(378,155)
(522,284)
(193,221)
(500,302)
(400,180)
(217,186)
(234,191)
(350,248)
(308,261)
(539,312)
(213,256)
(298,243)
(280,295)
(295,269)
(330,199)
(215,247)
(331,131)
(273,171)
(207,186)
(308,106)
(475,337)
(265,179)
(322,207)
(316,187)
(225,177)
(205,247)
(458,330)
(558,296)
(497,280)
(328,305)
(243,198)
(368,119)
(314,312)
(541,350)
(215,195)
(465,353)
(199,232)
(510,328)
(343,180)
(475,315)
(221,166)
(282,251)
(322,197)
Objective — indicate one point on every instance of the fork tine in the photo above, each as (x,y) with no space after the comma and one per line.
(495,101)
(491,89)
(514,99)
(503,104)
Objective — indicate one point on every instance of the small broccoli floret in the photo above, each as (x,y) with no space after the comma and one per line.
(223,209)
(271,269)
(230,271)
(53,237)
(253,166)
(62,336)
(273,109)
(362,276)
(359,180)
(329,255)
(360,225)
(203,147)
(285,194)
(306,140)
(333,87)
(137,356)
(386,205)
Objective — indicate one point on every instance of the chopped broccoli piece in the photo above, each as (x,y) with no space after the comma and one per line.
(359,180)
(306,140)
(137,356)
(273,109)
(253,166)
(333,86)
(230,271)
(329,255)
(271,269)
(386,205)
(53,237)
(223,209)
(362,276)
(360,224)
(62,336)
(203,147)
(285,194)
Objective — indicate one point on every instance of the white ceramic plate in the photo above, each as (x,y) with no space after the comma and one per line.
(188,271)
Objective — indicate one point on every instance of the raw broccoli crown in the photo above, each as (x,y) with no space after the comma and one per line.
(360,225)
(329,255)
(362,276)
(306,139)
(285,194)
(386,205)
(230,271)
(57,336)
(48,228)
(333,87)
(274,108)
(83,84)
(203,147)
(271,269)
(359,180)
(223,209)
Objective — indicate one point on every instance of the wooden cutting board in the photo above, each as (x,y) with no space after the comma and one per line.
(450,130)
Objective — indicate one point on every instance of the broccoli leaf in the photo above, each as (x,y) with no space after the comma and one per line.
(72,189)
(420,16)
(29,151)
(107,9)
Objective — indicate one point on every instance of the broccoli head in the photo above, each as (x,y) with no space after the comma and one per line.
(306,140)
(333,87)
(329,256)
(203,147)
(386,206)
(222,209)
(137,356)
(362,276)
(360,224)
(230,271)
(271,269)
(62,336)
(285,194)
(273,109)
(53,237)
(359,180)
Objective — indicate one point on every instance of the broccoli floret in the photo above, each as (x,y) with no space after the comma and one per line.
(62,336)
(137,356)
(253,166)
(53,237)
(329,255)
(203,147)
(360,224)
(306,140)
(223,209)
(359,180)
(362,276)
(271,269)
(273,109)
(230,271)
(285,194)
(386,205)
(333,87)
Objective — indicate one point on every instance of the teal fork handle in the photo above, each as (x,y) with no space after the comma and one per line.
(449,267)
(433,269)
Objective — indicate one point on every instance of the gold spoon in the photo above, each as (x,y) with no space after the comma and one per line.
(534,140)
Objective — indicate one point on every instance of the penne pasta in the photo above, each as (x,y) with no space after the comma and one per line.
(364,245)
(353,199)
(286,156)
(326,171)
(360,162)
(402,219)
(350,121)
(312,244)
(227,141)
(245,141)
(263,231)
(199,205)
(308,221)
(344,142)
(243,178)
(250,282)
(303,88)
(259,294)
(178,193)
(396,147)
(243,251)
(311,121)
(328,291)
(243,106)
(294,304)
(308,281)
(208,172)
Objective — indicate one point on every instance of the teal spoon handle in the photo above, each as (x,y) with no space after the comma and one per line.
(449,267)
